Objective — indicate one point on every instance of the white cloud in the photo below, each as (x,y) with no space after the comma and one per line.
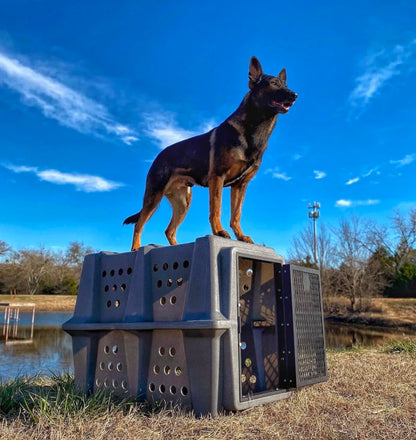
(281,176)
(342,203)
(407,160)
(163,128)
(319,174)
(351,181)
(380,68)
(60,102)
(82,182)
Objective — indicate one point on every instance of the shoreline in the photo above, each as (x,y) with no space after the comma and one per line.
(385,313)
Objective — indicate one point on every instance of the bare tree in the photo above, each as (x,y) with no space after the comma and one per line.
(357,278)
(399,241)
(32,267)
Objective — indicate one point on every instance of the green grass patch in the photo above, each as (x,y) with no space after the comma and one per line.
(404,346)
(57,397)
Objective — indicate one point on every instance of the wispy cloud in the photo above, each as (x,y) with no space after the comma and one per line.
(379,69)
(60,102)
(163,128)
(407,160)
(281,176)
(342,203)
(82,182)
(319,174)
(351,181)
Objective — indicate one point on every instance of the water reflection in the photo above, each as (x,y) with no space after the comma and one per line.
(50,350)
(347,335)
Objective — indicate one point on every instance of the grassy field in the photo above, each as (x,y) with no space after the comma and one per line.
(383,312)
(44,303)
(371,394)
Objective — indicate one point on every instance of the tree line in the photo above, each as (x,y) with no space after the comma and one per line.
(360,259)
(41,271)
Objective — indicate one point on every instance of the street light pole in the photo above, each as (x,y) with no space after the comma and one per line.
(314,214)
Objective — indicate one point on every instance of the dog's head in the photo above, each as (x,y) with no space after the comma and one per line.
(269,93)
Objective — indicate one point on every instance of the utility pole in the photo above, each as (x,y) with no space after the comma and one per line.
(314,214)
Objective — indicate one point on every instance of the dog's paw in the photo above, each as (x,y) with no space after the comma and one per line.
(223,233)
(246,239)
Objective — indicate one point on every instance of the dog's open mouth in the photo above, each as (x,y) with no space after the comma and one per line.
(282,106)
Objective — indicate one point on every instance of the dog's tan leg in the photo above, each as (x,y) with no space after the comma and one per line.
(237,197)
(149,207)
(180,201)
(216,185)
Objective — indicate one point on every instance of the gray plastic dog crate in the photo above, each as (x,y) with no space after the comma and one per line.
(212,325)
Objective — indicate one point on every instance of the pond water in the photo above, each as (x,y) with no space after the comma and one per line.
(50,351)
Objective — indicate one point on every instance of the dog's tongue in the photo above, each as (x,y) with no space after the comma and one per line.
(280,104)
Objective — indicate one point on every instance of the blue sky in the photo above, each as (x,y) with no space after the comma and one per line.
(90,92)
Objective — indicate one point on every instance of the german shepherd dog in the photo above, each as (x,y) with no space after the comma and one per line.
(228,155)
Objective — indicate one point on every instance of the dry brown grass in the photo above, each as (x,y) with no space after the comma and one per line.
(370,395)
(385,312)
(44,303)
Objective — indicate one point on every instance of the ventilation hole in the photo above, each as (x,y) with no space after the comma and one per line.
(163,300)
(102,366)
(114,287)
(112,272)
(97,382)
(105,383)
(243,378)
(106,288)
(179,281)
(152,387)
(159,283)
(166,370)
(119,366)
(104,273)
(115,383)
(246,288)
(110,366)
(165,266)
(178,371)
(123,287)
(169,282)
(129,270)
(186,264)
(173,389)
(108,303)
(162,351)
(172,351)
(116,303)
(155,268)
(249,272)
(247,362)
(115,349)
(106,349)
(124,385)
(162,388)
(156,369)
(173,300)
(120,271)
(253,379)
(175,265)
(184,391)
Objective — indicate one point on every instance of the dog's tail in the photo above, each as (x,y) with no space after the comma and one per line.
(132,219)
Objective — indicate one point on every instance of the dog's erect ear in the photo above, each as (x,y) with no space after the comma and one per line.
(282,75)
(255,72)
